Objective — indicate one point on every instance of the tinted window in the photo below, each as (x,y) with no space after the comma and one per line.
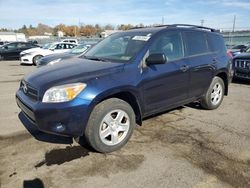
(196,43)
(59,46)
(170,44)
(22,45)
(216,43)
(12,46)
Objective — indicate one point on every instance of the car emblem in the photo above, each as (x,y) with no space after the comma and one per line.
(25,88)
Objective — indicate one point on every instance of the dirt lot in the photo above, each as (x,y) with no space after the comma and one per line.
(185,147)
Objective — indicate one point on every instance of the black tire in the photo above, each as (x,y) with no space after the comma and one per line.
(208,101)
(96,122)
(36,58)
(1,58)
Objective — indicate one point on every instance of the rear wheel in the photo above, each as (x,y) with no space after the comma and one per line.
(36,58)
(110,125)
(214,94)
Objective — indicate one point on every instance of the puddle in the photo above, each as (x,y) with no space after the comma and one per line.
(60,156)
(106,165)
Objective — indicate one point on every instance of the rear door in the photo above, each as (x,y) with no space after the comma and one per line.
(165,85)
(200,60)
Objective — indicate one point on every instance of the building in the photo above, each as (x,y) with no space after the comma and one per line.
(12,37)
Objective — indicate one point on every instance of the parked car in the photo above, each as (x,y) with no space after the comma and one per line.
(124,78)
(236,50)
(32,56)
(241,65)
(55,58)
(11,51)
(70,40)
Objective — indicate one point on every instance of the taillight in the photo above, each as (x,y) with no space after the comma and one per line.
(230,54)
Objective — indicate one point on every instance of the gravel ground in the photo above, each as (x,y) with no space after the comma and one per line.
(184,147)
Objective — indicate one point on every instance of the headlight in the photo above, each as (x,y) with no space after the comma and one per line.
(24,54)
(54,61)
(63,93)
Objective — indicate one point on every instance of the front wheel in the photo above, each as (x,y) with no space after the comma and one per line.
(36,58)
(214,95)
(110,125)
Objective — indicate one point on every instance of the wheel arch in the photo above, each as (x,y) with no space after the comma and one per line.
(128,96)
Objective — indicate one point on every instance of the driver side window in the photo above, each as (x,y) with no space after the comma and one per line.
(170,44)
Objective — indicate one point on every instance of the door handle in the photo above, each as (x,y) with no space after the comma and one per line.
(184,68)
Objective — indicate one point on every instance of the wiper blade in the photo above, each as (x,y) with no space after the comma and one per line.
(94,58)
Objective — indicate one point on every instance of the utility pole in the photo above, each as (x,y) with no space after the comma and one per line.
(202,22)
(234,23)
(162,20)
(231,39)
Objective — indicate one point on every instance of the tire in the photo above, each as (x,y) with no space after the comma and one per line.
(1,58)
(36,58)
(110,125)
(214,95)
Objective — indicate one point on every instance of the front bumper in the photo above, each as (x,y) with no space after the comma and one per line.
(242,73)
(26,59)
(66,119)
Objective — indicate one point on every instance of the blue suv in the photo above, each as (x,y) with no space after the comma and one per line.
(124,78)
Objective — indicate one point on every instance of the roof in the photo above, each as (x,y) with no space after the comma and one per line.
(160,27)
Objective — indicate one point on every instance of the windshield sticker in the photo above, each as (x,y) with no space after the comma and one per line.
(142,38)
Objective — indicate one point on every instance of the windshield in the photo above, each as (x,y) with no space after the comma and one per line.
(47,46)
(122,46)
(79,49)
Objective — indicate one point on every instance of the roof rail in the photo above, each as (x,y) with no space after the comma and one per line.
(181,25)
(195,26)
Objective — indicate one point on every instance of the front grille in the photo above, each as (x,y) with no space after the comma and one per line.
(242,63)
(29,90)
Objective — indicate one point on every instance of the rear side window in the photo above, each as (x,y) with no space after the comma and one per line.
(195,43)
(216,43)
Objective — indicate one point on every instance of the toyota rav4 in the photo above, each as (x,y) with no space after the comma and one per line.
(126,77)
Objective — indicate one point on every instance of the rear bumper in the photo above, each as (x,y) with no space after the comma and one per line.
(66,119)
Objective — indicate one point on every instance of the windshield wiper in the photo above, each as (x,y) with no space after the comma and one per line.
(94,58)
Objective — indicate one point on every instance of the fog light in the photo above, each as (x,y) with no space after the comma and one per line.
(60,127)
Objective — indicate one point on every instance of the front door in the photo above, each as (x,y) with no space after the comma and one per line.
(165,85)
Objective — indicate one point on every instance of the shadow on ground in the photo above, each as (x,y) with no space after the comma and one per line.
(35,183)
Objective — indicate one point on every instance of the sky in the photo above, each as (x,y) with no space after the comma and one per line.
(215,13)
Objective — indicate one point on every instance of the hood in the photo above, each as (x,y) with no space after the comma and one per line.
(78,70)
(243,56)
(32,50)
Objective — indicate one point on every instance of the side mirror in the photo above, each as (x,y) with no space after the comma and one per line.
(156,59)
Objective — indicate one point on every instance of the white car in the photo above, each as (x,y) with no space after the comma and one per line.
(32,56)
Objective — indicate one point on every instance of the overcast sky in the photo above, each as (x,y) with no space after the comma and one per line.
(215,13)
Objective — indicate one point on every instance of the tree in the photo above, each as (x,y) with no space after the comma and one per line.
(109,27)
